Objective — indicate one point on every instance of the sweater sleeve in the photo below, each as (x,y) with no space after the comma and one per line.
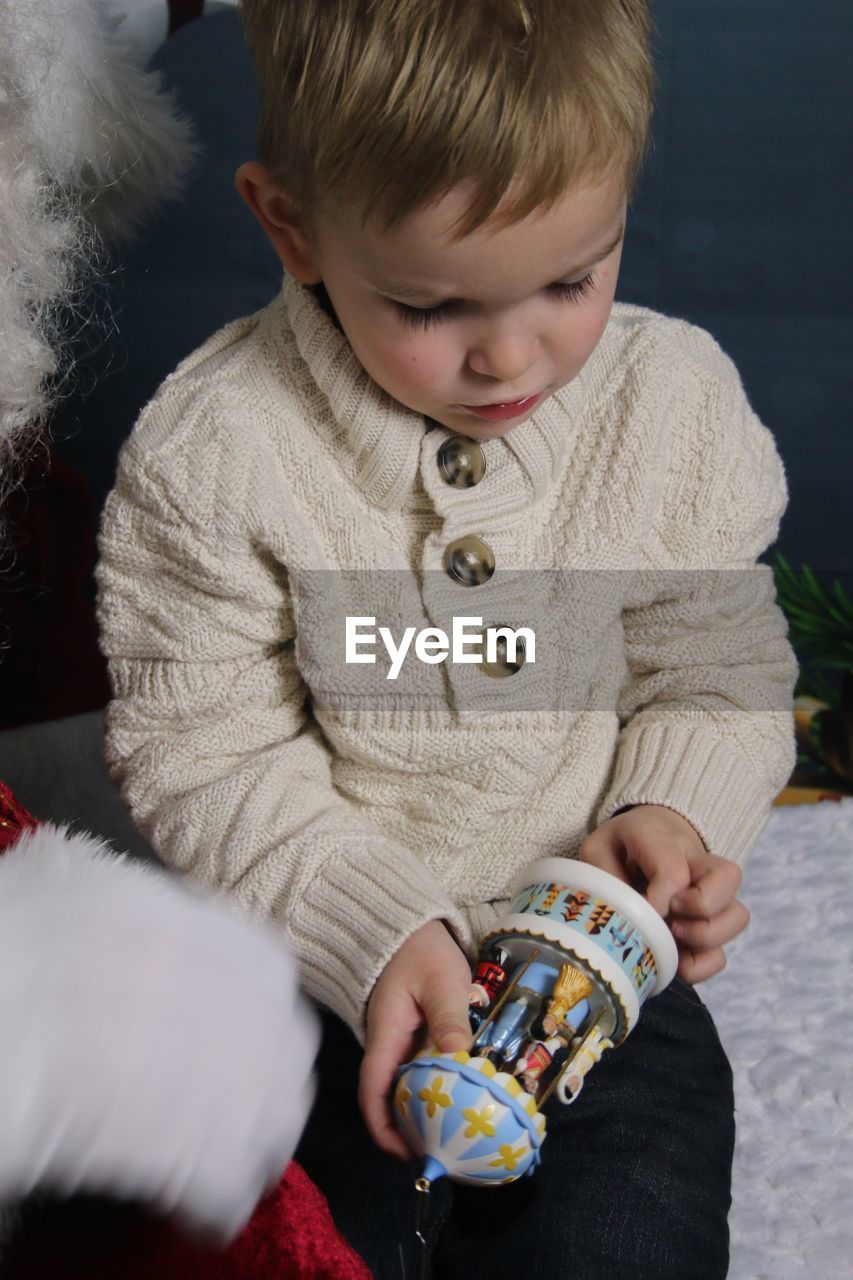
(211,740)
(706,725)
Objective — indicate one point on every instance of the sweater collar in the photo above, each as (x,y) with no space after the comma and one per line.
(377,441)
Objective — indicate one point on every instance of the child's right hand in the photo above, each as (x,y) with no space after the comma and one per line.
(425,984)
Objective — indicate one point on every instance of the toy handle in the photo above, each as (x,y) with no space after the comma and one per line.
(564,1093)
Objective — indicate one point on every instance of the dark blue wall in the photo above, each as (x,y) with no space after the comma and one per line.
(743,225)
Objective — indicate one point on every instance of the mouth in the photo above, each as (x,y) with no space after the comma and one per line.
(505,409)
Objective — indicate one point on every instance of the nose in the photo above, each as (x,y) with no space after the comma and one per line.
(505,354)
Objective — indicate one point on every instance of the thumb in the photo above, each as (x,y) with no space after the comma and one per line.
(445,1007)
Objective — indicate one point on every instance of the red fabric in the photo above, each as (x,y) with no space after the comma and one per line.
(291,1235)
(14,819)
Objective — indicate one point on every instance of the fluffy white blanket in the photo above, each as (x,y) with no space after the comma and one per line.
(782,1008)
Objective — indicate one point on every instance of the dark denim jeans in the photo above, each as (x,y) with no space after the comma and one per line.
(634,1180)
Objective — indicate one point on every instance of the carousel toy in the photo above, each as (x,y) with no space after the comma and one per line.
(560,979)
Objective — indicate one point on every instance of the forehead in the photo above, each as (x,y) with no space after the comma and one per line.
(426,252)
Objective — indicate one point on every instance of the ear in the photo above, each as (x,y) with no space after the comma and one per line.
(281,219)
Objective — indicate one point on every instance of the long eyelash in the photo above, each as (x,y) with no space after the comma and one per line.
(425,317)
(575,290)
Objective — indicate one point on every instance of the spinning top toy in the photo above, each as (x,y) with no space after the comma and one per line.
(560,979)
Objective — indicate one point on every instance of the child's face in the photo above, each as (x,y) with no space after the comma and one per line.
(499,318)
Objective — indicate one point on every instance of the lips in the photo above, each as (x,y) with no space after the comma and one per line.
(504,410)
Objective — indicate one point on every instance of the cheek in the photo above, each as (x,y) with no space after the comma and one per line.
(592,323)
(418,361)
(603,300)
(598,322)
(580,338)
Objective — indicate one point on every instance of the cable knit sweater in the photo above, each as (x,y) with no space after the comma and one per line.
(271,489)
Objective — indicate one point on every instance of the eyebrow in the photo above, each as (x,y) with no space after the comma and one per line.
(403,290)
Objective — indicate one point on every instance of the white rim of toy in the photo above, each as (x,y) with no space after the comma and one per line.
(617,894)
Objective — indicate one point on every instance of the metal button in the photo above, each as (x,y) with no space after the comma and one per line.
(469,560)
(461,462)
(503,665)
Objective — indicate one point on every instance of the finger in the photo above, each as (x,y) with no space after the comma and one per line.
(695,967)
(445,1007)
(604,849)
(706,935)
(666,869)
(374,1099)
(711,890)
(393,1022)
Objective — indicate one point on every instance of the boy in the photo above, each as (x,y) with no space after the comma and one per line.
(443,399)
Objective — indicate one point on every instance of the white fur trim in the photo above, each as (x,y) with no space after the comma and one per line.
(88,144)
(131,1003)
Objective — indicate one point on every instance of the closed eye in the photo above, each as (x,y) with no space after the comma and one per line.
(575,290)
(426,317)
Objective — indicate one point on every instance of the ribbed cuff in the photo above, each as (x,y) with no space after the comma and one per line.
(697,775)
(354,917)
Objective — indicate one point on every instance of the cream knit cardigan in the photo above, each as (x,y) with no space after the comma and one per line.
(271,488)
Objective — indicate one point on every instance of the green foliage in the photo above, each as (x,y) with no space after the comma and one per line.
(820,622)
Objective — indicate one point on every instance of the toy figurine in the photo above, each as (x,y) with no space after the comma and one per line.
(540,1053)
(561,978)
(489,981)
(588,1053)
(552,1032)
(507,1031)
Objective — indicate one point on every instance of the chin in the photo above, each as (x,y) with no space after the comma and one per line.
(480,429)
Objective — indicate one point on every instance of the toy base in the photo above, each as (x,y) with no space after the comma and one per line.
(471,1123)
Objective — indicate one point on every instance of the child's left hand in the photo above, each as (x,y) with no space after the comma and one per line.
(661,854)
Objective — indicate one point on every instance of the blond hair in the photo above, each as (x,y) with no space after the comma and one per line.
(390,104)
